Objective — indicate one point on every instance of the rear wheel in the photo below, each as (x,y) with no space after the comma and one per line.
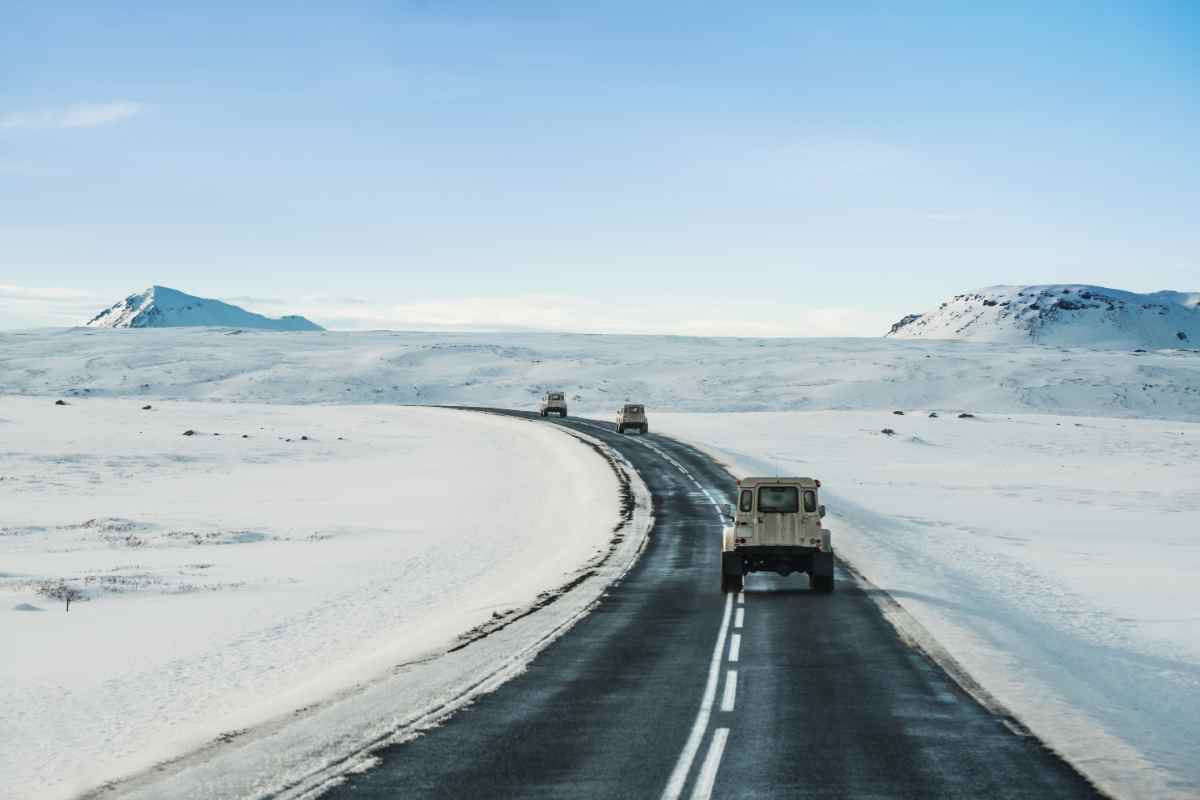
(645,429)
(821,583)
(620,428)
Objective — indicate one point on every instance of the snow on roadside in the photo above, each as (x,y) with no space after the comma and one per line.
(225,581)
(1053,557)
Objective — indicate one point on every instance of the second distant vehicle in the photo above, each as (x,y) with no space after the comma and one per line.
(554,403)
(632,417)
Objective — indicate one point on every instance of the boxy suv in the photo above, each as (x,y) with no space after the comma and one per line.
(776,527)
(632,417)
(554,403)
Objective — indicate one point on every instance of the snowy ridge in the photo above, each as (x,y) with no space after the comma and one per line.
(160,307)
(1062,314)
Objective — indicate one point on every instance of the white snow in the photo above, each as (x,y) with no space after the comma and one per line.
(225,581)
(1062,314)
(599,372)
(160,307)
(1050,543)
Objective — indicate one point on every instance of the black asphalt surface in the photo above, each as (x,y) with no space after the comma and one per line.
(829,703)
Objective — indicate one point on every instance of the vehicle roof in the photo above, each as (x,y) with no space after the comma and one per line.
(808,483)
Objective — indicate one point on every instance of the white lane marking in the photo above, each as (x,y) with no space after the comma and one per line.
(741,617)
(735,647)
(729,698)
(741,598)
(712,762)
(684,765)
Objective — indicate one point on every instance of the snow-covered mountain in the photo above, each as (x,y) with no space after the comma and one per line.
(1062,314)
(160,307)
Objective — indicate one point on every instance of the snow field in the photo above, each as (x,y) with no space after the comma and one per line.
(226,581)
(599,373)
(1053,557)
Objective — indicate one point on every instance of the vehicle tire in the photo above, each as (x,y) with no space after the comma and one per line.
(645,429)
(821,583)
(543,413)
(620,429)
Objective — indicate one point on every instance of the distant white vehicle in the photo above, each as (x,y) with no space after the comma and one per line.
(776,527)
(632,417)
(554,403)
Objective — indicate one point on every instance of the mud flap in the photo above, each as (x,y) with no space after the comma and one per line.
(822,564)
(732,564)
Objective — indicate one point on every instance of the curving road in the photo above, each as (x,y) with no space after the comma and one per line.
(670,689)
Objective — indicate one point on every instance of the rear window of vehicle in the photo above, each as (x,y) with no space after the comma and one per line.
(633,409)
(778,499)
(810,501)
(556,397)
(746,500)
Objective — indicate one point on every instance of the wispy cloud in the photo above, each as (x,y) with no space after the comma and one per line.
(578,314)
(79,115)
(25,306)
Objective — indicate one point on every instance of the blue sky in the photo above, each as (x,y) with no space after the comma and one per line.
(724,168)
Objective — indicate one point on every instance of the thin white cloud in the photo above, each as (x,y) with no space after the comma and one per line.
(79,115)
(557,313)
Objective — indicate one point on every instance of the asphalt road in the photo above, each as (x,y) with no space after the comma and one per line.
(671,689)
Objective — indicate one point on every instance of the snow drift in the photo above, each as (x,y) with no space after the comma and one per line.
(160,307)
(1062,314)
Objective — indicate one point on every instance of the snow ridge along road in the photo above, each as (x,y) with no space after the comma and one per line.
(671,689)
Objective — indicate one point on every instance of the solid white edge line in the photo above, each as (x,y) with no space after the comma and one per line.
(741,617)
(729,698)
(684,765)
(712,762)
(735,647)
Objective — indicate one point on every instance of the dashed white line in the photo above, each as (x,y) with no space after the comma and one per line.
(741,617)
(729,698)
(712,762)
(684,765)
(735,647)
(741,598)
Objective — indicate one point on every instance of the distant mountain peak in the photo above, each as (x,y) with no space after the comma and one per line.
(163,307)
(1078,315)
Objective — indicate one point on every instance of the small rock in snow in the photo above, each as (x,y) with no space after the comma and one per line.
(60,402)
(888,432)
(304,438)
(898,413)
(966,415)
(189,432)
(146,408)
(933,415)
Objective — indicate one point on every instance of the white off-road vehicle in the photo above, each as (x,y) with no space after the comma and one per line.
(775,526)
(632,416)
(554,403)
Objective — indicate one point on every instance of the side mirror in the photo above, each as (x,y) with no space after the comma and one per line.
(821,510)
(727,510)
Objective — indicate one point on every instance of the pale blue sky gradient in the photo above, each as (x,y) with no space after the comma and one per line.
(774,168)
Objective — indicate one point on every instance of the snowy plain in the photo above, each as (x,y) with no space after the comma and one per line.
(226,581)
(1050,542)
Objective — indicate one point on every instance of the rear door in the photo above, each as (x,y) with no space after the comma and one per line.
(777,516)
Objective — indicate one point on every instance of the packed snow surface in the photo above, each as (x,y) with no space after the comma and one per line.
(1062,314)
(598,373)
(160,307)
(223,580)
(1055,558)
(1049,541)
